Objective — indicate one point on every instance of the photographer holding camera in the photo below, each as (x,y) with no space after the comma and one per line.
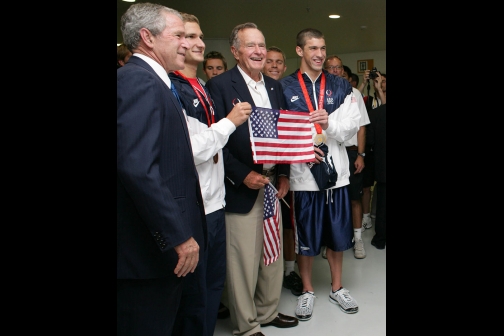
(380,98)
(380,88)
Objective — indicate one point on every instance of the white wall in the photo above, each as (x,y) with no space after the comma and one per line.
(220,45)
(350,60)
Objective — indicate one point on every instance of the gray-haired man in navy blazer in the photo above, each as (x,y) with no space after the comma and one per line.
(161,228)
(253,288)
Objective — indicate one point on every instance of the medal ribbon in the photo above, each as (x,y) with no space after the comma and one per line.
(210,115)
(307,97)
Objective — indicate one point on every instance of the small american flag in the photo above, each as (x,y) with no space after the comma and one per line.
(271,221)
(280,136)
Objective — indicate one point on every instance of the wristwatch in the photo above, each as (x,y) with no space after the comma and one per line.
(362,154)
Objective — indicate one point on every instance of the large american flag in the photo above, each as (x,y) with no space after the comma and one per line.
(271,228)
(280,136)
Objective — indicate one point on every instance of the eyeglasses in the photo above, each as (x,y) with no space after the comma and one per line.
(334,67)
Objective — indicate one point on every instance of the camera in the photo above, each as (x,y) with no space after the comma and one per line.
(372,74)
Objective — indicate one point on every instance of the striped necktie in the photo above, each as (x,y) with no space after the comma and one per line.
(174,90)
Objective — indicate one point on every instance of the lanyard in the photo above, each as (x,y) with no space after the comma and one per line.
(307,97)
(210,114)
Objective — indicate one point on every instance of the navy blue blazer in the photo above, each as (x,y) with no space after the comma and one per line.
(159,203)
(227,88)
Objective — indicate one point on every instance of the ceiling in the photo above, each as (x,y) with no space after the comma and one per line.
(281,20)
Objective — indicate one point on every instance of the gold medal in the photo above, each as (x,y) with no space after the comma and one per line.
(319,139)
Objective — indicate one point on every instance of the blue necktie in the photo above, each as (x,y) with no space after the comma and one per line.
(174,90)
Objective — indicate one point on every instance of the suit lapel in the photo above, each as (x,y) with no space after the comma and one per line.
(140,62)
(240,86)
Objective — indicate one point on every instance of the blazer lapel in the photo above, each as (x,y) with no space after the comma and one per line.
(140,62)
(240,86)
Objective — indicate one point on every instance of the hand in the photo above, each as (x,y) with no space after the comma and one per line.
(320,117)
(255,180)
(282,186)
(365,77)
(378,80)
(240,113)
(359,164)
(188,253)
(319,154)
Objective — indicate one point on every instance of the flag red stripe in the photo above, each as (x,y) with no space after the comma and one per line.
(284,154)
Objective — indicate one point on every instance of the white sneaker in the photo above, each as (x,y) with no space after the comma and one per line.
(343,299)
(367,223)
(359,251)
(324,252)
(304,308)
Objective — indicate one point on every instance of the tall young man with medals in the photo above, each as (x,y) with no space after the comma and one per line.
(200,300)
(322,217)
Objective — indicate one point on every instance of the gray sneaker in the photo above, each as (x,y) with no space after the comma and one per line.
(359,251)
(342,298)
(367,223)
(304,308)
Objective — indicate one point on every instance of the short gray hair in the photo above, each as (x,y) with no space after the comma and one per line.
(233,39)
(143,15)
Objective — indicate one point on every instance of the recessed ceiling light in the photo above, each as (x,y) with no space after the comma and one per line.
(129,0)
(334,16)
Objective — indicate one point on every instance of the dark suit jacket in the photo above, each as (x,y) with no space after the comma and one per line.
(159,202)
(225,90)
(375,137)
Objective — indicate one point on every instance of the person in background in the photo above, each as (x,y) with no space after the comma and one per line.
(123,55)
(201,297)
(161,226)
(354,80)
(254,282)
(356,155)
(368,201)
(376,136)
(322,217)
(214,64)
(275,67)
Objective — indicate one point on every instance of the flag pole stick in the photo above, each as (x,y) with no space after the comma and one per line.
(272,186)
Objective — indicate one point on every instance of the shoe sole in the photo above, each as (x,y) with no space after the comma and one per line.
(359,257)
(304,318)
(341,308)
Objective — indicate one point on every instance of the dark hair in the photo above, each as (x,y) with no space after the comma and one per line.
(307,34)
(355,78)
(215,55)
(122,52)
(347,70)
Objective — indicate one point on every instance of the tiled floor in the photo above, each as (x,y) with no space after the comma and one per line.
(364,278)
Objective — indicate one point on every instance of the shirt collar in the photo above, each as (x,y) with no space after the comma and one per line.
(158,69)
(249,80)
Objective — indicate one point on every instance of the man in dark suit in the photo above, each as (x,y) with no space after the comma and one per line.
(161,228)
(376,137)
(253,288)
